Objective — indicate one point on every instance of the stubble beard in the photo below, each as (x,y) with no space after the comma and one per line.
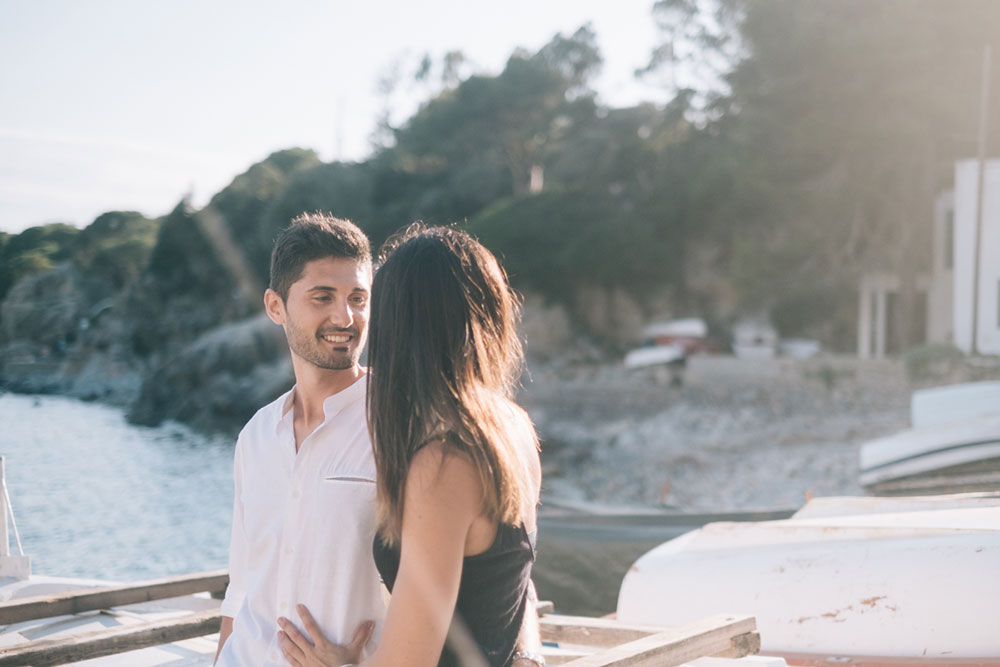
(310,348)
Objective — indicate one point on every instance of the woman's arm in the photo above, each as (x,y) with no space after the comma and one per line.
(443,498)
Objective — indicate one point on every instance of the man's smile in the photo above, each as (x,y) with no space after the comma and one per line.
(338,337)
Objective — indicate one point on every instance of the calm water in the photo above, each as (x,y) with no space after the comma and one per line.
(97,497)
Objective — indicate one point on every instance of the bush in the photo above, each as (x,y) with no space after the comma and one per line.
(932,361)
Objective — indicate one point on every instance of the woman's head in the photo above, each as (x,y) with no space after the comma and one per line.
(443,312)
(445,356)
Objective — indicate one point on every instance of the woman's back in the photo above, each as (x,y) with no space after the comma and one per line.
(492,595)
(496,572)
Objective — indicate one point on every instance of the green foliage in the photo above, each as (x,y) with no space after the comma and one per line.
(556,242)
(244,202)
(184,260)
(342,189)
(116,246)
(479,141)
(838,123)
(33,250)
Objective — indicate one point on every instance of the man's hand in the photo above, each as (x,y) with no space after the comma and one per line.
(320,652)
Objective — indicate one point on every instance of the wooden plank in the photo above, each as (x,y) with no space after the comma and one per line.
(47,606)
(674,646)
(739,646)
(587,631)
(561,655)
(100,643)
(747,643)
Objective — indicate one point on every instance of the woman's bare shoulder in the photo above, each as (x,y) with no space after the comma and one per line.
(441,469)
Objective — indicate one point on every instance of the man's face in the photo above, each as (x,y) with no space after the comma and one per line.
(326,314)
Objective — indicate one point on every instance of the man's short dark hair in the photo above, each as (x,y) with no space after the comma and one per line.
(313,236)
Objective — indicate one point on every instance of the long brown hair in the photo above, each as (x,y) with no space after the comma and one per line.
(445,357)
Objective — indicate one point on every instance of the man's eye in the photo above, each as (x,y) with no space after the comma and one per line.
(359,300)
(322,299)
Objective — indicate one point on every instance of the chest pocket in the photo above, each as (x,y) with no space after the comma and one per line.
(348,477)
(350,496)
(334,473)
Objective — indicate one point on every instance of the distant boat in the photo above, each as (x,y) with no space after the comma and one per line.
(953,445)
(690,333)
(654,355)
(755,339)
(864,581)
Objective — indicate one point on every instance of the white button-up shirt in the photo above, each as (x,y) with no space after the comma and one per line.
(303,526)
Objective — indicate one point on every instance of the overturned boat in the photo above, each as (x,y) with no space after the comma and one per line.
(861,580)
(953,445)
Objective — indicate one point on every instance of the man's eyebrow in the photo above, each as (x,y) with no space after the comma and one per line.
(326,288)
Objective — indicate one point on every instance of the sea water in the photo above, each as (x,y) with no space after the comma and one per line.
(96,497)
(99,498)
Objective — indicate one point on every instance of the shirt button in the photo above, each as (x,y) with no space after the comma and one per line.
(296,494)
(288,551)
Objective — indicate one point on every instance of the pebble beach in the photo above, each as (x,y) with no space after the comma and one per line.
(736,434)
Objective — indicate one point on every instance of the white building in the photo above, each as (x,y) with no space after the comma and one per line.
(946,294)
(988,320)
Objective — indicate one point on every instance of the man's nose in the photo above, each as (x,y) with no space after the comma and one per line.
(340,314)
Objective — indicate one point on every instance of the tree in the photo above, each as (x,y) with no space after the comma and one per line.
(34,250)
(481,140)
(243,203)
(845,118)
(116,246)
(342,189)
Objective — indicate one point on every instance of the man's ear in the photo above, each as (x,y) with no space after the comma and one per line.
(274,306)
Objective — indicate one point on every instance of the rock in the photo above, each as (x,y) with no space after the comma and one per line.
(50,308)
(220,380)
(53,343)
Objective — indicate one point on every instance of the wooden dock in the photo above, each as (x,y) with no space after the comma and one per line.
(573,641)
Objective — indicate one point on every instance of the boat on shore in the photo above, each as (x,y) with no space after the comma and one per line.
(866,580)
(953,444)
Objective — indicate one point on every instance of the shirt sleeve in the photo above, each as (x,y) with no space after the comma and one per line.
(237,542)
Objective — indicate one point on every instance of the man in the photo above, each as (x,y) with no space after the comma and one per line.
(303,514)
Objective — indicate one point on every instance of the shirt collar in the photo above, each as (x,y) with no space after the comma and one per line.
(332,404)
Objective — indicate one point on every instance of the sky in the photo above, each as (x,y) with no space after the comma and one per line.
(131,105)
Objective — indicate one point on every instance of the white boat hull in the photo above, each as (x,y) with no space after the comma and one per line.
(931,450)
(900,583)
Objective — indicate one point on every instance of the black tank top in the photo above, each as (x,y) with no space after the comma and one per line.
(492,595)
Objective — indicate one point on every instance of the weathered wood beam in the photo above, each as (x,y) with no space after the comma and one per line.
(41,653)
(587,631)
(718,635)
(47,606)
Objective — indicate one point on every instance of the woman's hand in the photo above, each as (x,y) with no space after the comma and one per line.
(320,652)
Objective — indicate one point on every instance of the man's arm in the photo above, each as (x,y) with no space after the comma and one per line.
(224,632)
(529,641)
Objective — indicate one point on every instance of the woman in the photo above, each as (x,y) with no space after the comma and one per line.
(458,472)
